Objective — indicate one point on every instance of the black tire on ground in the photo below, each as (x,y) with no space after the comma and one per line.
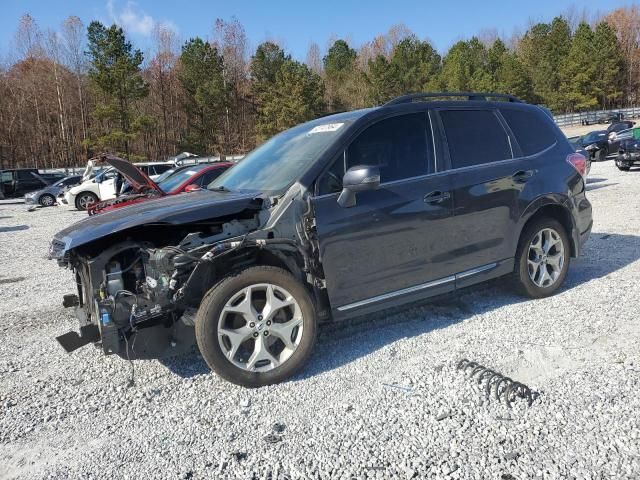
(601,155)
(623,169)
(523,282)
(91,198)
(46,200)
(207,318)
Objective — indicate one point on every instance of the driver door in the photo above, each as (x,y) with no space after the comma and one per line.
(391,246)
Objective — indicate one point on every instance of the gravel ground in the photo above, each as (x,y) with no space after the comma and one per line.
(381,399)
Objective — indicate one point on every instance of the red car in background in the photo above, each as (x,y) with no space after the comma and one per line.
(187,179)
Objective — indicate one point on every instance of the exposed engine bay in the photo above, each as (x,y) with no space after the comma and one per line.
(137,296)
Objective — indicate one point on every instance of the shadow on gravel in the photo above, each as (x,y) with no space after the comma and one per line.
(187,365)
(591,180)
(11,280)
(3,218)
(596,187)
(340,344)
(14,228)
(344,342)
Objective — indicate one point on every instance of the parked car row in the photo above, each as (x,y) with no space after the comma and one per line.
(342,216)
(599,144)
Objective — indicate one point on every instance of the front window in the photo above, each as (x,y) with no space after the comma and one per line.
(278,163)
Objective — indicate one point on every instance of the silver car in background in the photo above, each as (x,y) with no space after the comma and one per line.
(47,196)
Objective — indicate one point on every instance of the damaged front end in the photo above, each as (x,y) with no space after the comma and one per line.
(139,286)
(135,287)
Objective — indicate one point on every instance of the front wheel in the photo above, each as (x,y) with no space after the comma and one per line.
(542,259)
(257,327)
(85,200)
(46,200)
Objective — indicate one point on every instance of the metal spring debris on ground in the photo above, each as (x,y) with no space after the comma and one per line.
(503,387)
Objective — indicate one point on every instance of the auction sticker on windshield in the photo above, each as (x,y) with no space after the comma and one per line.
(328,127)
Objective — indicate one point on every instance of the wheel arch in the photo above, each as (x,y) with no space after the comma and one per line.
(288,260)
(552,208)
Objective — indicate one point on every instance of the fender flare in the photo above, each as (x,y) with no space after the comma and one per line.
(554,200)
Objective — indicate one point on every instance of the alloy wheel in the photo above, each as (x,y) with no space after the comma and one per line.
(85,200)
(546,257)
(47,200)
(260,327)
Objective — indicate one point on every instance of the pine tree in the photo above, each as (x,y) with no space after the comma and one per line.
(609,58)
(578,71)
(341,75)
(201,76)
(286,92)
(417,65)
(114,73)
(466,67)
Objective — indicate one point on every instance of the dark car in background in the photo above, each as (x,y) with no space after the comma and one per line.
(610,117)
(47,196)
(596,143)
(339,217)
(628,154)
(16,182)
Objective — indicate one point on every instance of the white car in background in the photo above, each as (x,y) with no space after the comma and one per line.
(102,187)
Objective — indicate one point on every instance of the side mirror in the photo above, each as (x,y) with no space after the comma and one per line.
(98,179)
(194,187)
(358,179)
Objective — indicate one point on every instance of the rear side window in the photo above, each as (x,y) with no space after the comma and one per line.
(474,137)
(532,132)
(397,145)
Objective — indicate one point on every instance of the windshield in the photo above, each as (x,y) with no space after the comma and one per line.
(594,136)
(276,164)
(179,178)
(165,175)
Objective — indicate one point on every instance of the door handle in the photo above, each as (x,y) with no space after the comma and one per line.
(522,176)
(436,197)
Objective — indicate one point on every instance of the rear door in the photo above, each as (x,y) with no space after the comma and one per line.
(393,242)
(487,177)
(28,182)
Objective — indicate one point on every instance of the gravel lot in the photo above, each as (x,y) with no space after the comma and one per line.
(381,399)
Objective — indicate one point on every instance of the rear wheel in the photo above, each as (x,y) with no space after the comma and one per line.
(85,199)
(46,200)
(257,327)
(542,259)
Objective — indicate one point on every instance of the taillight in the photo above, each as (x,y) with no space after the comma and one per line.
(579,162)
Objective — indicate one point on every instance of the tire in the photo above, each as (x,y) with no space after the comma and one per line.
(601,155)
(525,283)
(84,199)
(47,200)
(624,169)
(217,310)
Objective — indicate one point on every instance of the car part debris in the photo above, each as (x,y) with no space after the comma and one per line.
(503,387)
(398,387)
(272,438)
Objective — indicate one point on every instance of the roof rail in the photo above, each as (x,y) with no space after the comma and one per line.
(469,96)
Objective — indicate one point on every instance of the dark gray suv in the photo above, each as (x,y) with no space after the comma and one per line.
(338,217)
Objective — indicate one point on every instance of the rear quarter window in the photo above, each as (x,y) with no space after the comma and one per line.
(532,131)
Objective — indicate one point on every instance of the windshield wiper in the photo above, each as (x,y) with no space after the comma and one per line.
(221,188)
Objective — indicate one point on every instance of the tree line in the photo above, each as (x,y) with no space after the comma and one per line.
(82,89)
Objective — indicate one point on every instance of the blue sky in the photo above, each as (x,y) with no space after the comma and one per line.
(295,24)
